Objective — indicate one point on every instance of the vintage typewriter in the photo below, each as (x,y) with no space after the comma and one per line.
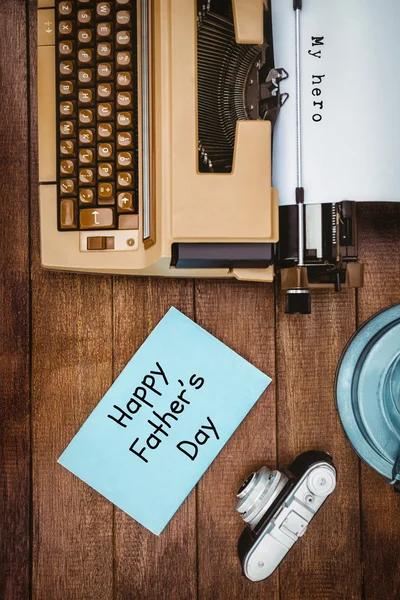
(155,147)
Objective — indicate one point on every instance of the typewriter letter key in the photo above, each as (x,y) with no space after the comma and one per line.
(84,36)
(103,9)
(65,8)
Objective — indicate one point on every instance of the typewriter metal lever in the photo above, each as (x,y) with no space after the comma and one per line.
(275,76)
(271,98)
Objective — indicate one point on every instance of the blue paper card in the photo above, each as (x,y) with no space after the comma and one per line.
(164,420)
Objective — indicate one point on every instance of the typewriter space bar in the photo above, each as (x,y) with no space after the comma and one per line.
(220,255)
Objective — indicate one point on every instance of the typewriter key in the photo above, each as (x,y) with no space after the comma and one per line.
(66,108)
(123,17)
(86,156)
(85,56)
(85,96)
(86,136)
(124,119)
(84,16)
(66,47)
(104,90)
(128,222)
(106,193)
(66,67)
(105,130)
(104,110)
(124,179)
(65,8)
(104,29)
(67,167)
(85,75)
(105,170)
(67,147)
(99,217)
(105,150)
(67,128)
(104,69)
(124,139)
(85,115)
(125,202)
(67,214)
(67,186)
(84,36)
(104,49)
(124,78)
(124,99)
(86,175)
(65,27)
(123,58)
(66,88)
(123,38)
(86,196)
(124,159)
(103,9)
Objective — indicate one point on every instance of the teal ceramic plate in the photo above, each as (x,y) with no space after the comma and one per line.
(368,392)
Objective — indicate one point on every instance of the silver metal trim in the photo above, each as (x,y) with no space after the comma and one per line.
(314,227)
(298,100)
(300,207)
(145,118)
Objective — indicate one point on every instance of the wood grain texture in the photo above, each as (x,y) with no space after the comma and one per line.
(148,567)
(325,564)
(71,370)
(85,328)
(242,316)
(379,241)
(14,307)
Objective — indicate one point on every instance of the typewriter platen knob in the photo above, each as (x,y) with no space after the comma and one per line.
(297,302)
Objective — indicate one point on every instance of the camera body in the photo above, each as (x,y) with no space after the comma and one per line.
(278,506)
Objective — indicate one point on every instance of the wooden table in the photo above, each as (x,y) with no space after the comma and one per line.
(65,337)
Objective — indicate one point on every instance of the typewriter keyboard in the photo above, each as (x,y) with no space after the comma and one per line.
(97,115)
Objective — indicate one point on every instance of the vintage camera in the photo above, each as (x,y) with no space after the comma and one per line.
(278,506)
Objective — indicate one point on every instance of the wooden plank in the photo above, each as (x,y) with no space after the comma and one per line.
(325,564)
(71,370)
(379,241)
(14,307)
(242,316)
(150,567)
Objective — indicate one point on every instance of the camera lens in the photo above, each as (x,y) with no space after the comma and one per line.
(257,493)
(242,491)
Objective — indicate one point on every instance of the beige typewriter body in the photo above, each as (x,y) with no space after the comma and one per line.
(185,205)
